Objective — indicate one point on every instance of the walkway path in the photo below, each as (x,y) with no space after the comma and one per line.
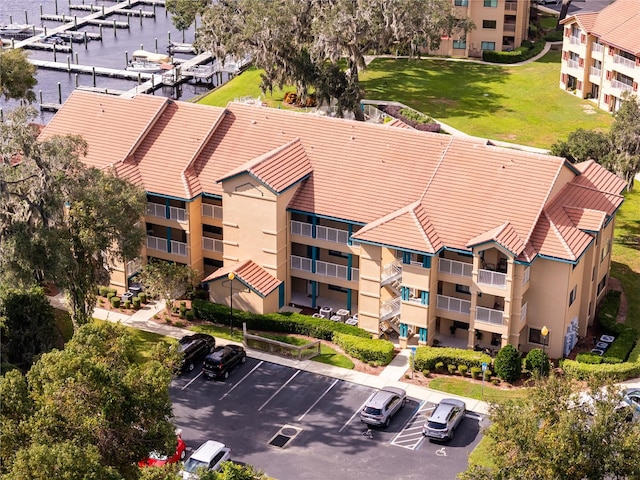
(390,376)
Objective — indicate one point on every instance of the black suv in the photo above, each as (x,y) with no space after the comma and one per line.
(194,348)
(222,359)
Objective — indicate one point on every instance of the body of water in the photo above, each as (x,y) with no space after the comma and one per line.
(151,34)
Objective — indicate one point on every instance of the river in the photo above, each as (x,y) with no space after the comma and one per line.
(150,34)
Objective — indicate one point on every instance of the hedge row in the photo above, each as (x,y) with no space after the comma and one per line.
(427,357)
(275,322)
(365,349)
(622,346)
(518,55)
(616,371)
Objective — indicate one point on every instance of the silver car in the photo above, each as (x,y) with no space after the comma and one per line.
(383,405)
(444,419)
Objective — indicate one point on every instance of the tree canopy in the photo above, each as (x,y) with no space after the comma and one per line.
(17,75)
(303,41)
(55,224)
(184,12)
(557,433)
(167,280)
(617,150)
(91,398)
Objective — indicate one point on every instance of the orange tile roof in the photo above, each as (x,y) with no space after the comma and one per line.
(396,122)
(249,273)
(504,235)
(586,219)
(278,169)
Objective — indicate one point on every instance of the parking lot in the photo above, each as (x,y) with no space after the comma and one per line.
(295,424)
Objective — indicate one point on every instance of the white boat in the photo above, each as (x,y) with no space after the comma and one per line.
(176,47)
(144,56)
(144,66)
(19,30)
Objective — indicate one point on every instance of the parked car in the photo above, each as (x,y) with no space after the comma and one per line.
(209,455)
(632,398)
(444,419)
(382,405)
(222,360)
(157,459)
(194,348)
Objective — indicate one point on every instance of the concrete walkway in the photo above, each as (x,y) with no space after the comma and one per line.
(390,376)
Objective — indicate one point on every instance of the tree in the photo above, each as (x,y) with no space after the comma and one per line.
(184,12)
(583,145)
(508,364)
(563,13)
(17,75)
(91,393)
(294,40)
(537,362)
(54,222)
(167,280)
(28,329)
(233,471)
(551,435)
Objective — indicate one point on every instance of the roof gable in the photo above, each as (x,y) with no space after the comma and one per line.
(504,235)
(250,274)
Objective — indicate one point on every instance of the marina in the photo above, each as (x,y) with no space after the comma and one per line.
(80,48)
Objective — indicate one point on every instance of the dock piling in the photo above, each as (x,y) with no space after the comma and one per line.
(59,93)
(40,92)
(26,17)
(86,41)
(77,63)
(10,19)
(93,73)
(100,33)
(156,44)
(75,22)
(69,63)
(55,54)
(140,17)
(77,80)
(40,9)
(115,29)
(126,57)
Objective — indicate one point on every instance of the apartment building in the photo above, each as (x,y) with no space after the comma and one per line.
(601,54)
(436,236)
(500,25)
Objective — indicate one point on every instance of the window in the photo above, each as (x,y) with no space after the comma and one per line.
(535,336)
(337,289)
(461,3)
(489,24)
(336,253)
(490,3)
(461,44)
(488,45)
(572,295)
(463,289)
(605,250)
(602,284)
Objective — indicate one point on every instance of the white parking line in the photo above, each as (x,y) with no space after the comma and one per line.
(192,380)
(278,391)
(410,435)
(319,398)
(241,380)
(354,415)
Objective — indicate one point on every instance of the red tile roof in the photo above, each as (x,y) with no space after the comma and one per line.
(249,273)
(278,169)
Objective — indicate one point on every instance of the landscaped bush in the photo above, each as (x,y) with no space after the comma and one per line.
(365,349)
(110,295)
(103,290)
(115,301)
(607,314)
(463,370)
(136,302)
(475,372)
(275,322)
(127,304)
(143,297)
(621,346)
(553,36)
(615,371)
(439,366)
(189,316)
(429,357)
(588,357)
(518,55)
(537,361)
(452,369)
(113,290)
(414,119)
(487,374)
(508,364)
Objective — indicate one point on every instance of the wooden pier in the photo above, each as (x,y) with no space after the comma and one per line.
(127,11)
(94,21)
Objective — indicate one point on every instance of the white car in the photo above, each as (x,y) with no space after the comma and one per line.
(209,455)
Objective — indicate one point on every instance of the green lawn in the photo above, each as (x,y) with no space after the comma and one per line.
(481,455)
(468,389)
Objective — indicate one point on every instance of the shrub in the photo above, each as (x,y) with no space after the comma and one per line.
(115,301)
(515,56)
(110,295)
(439,366)
(621,346)
(590,358)
(136,302)
(189,316)
(167,320)
(113,290)
(428,357)
(487,374)
(143,297)
(475,372)
(537,361)
(426,373)
(127,304)
(508,364)
(365,349)
(179,324)
(463,370)
(103,290)
(553,36)
(495,381)
(452,369)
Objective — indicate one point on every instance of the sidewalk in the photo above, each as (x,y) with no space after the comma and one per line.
(390,376)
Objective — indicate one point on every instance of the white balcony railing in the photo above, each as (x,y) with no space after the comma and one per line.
(523,312)
(391,272)
(620,60)
(390,308)
(134,266)
(156,210)
(179,248)
(211,211)
(489,315)
(301,228)
(156,243)
(595,72)
(331,269)
(455,267)
(452,304)
(573,64)
(574,40)
(212,245)
(332,234)
(620,85)
(596,48)
(178,214)
(495,279)
(301,263)
(526,276)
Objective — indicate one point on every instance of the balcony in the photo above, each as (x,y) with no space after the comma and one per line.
(621,86)
(390,309)
(211,211)
(453,267)
(573,64)
(596,48)
(328,234)
(212,245)
(452,304)
(495,279)
(620,60)
(325,269)
(160,211)
(574,40)
(509,28)
(161,245)
(511,6)
(595,72)
(489,315)
(179,248)
(134,266)
(156,243)
(301,228)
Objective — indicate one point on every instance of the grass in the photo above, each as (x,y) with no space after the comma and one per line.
(625,259)
(465,388)
(219,331)
(327,355)
(482,455)
(144,343)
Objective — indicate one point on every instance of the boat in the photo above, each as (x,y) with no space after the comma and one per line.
(144,66)
(176,47)
(144,56)
(19,30)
